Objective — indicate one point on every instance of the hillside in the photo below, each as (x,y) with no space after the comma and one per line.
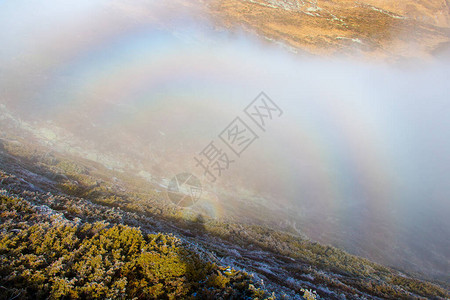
(51,206)
(374,28)
(224,149)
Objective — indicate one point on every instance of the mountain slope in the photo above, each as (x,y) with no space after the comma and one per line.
(383,29)
(64,187)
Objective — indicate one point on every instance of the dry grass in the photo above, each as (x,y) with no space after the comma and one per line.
(337,27)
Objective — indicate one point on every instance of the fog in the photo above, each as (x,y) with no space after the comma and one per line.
(359,156)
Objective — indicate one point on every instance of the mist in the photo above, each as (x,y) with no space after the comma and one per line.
(359,157)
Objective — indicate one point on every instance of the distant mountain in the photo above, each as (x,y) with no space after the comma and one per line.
(378,28)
